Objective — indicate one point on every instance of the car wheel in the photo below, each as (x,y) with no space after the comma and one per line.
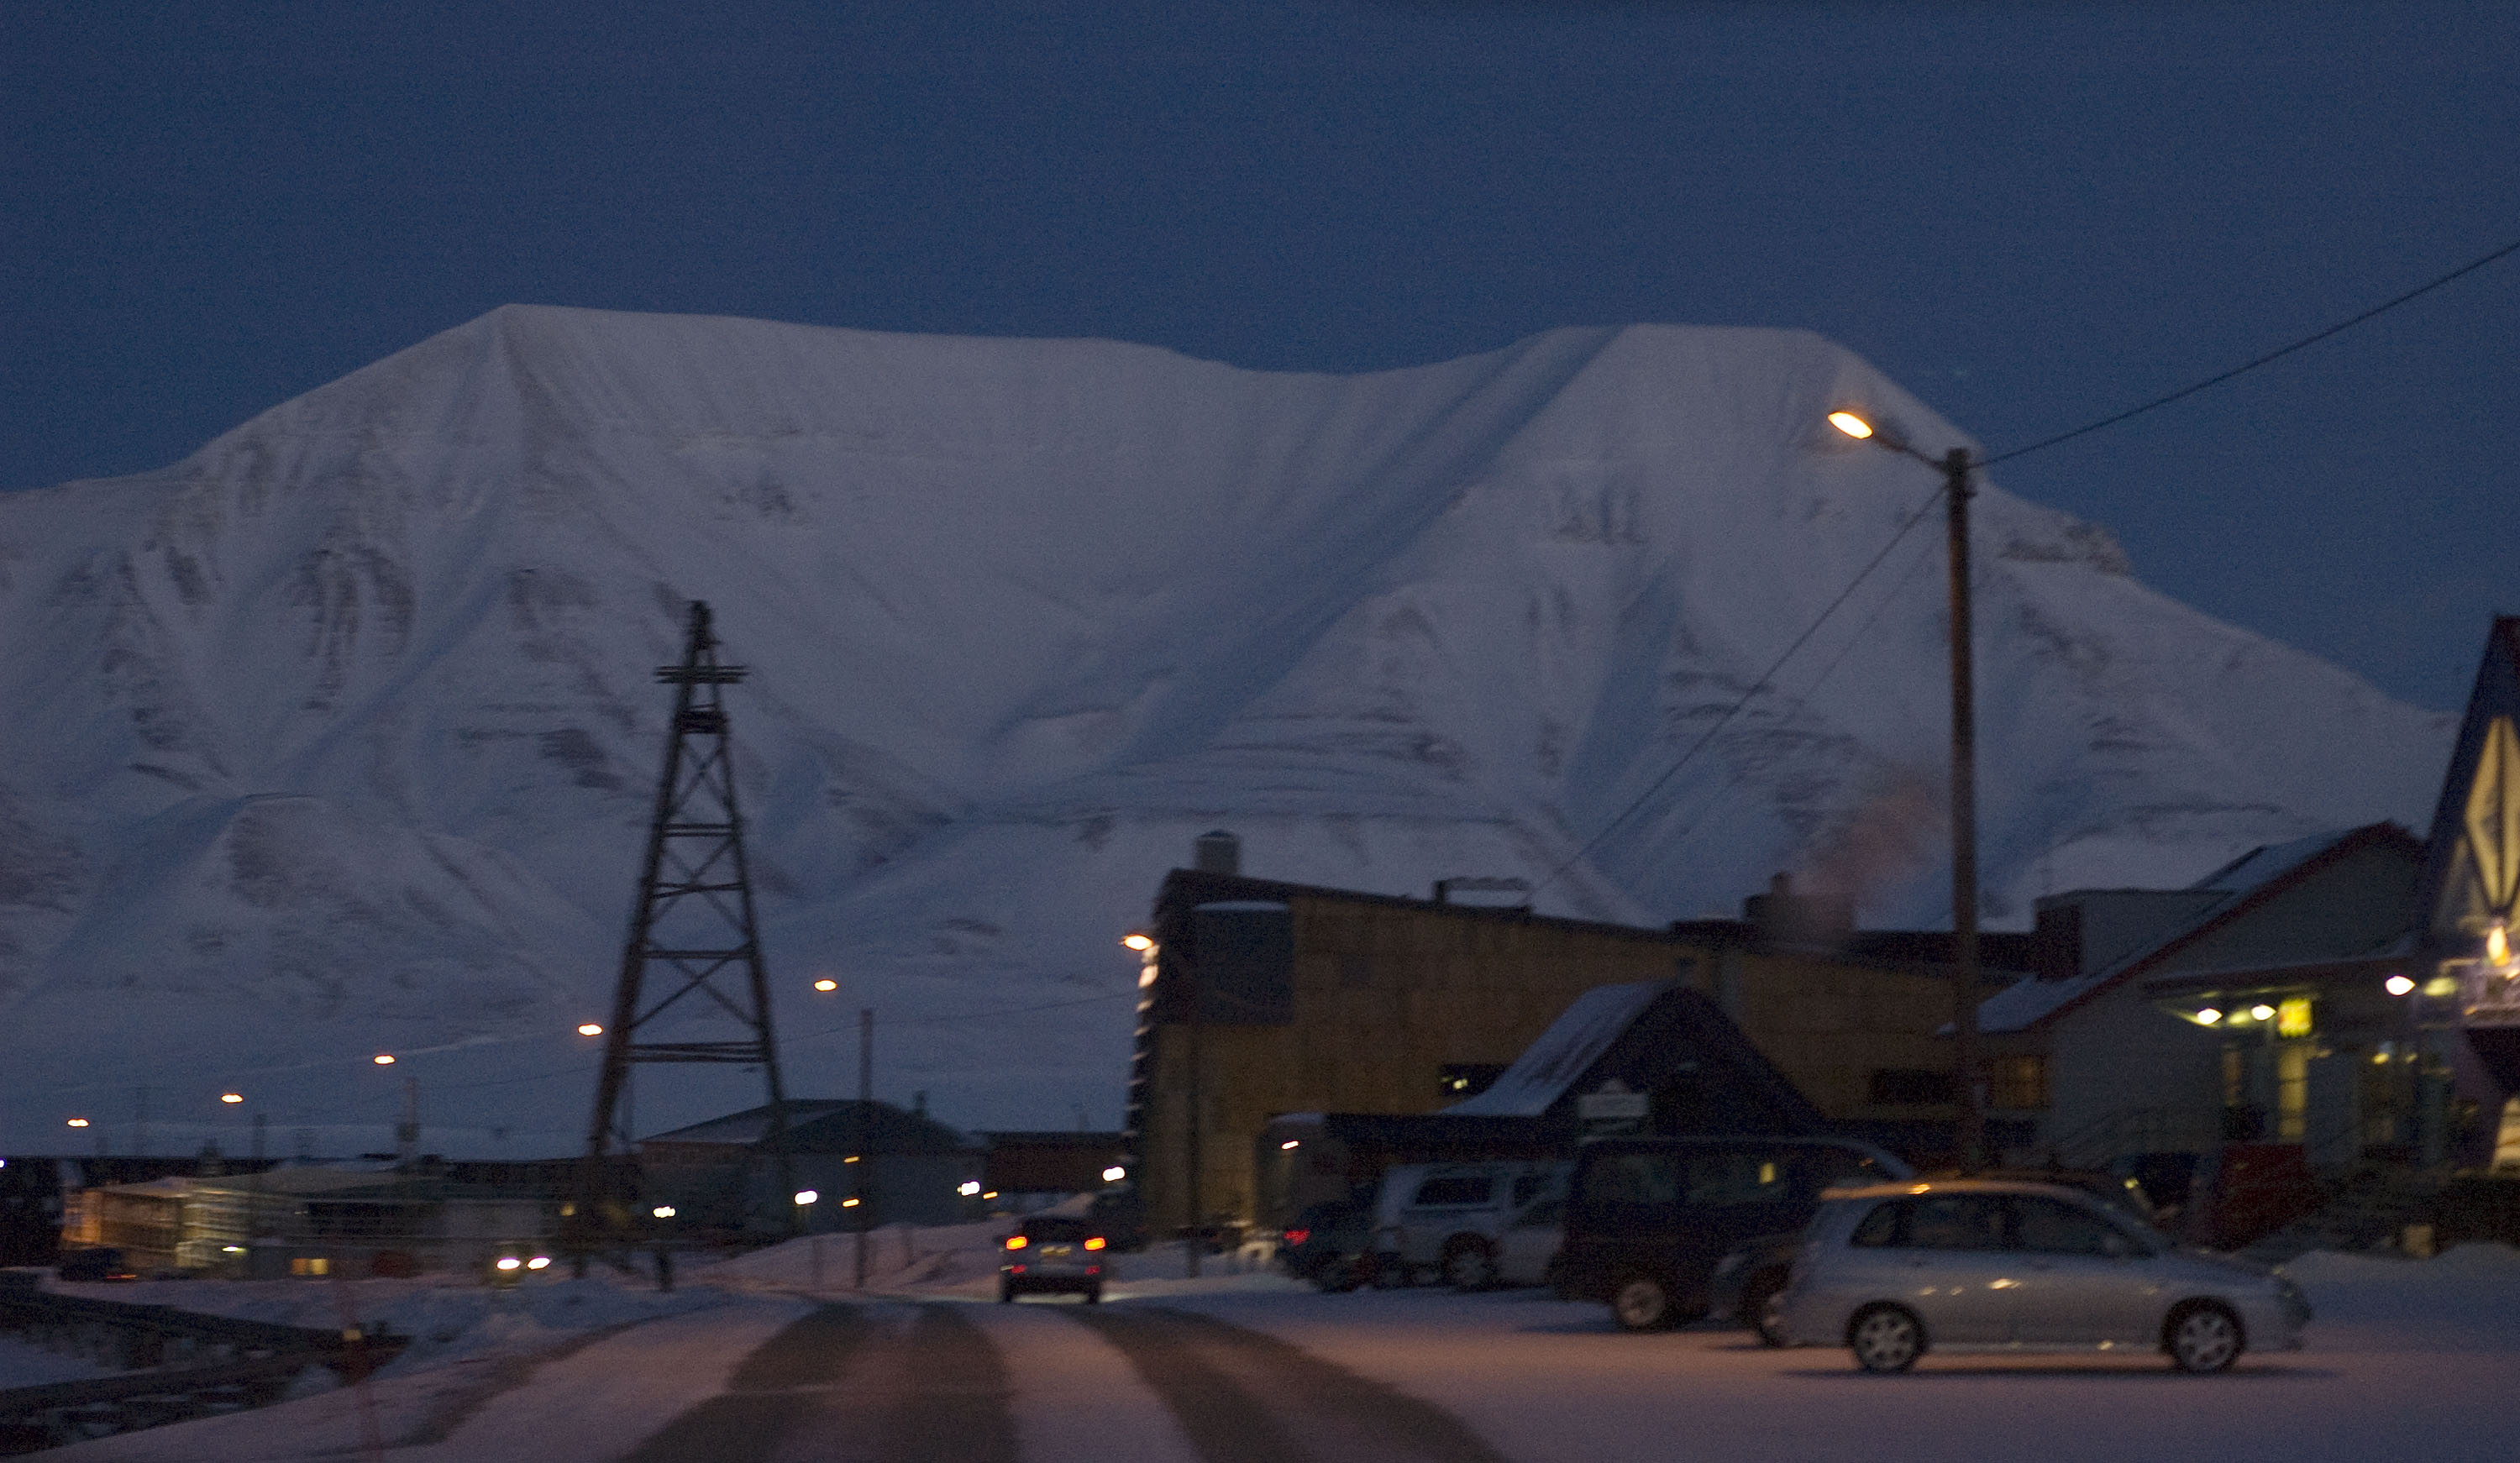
(1642,1302)
(1760,1310)
(1470,1266)
(1885,1339)
(2202,1337)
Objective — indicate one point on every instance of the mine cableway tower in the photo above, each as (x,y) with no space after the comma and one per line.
(694,987)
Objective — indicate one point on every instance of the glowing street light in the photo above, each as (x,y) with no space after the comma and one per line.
(1956,490)
(2208,1017)
(2262,1013)
(826,985)
(1139,941)
(78,1122)
(806,1196)
(590,1029)
(232,1098)
(1115,1174)
(383,1059)
(968,1188)
(663,1210)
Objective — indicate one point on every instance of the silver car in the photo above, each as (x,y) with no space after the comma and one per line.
(1893,1270)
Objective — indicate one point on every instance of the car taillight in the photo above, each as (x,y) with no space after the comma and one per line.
(1016,1241)
(1094,1269)
(1297,1236)
(1096,1243)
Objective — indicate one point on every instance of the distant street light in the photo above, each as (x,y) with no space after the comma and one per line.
(383,1059)
(78,1122)
(1115,1174)
(232,1097)
(806,1196)
(590,1028)
(1954,467)
(663,1210)
(826,985)
(1139,941)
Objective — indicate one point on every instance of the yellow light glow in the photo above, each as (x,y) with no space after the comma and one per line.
(1016,1241)
(232,1097)
(849,1203)
(2208,1017)
(2498,945)
(991,1194)
(78,1123)
(1853,425)
(807,1196)
(2262,1013)
(827,984)
(663,1210)
(1290,1145)
(1114,1174)
(590,1029)
(852,1157)
(1139,941)
(510,1263)
(2397,985)
(2442,984)
(1096,1242)
(383,1059)
(1147,977)
(2293,1017)
(539,1262)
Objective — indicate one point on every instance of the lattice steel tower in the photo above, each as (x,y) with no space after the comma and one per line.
(693,932)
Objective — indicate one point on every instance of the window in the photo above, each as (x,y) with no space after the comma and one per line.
(1466,1079)
(2292,1091)
(2054,1228)
(1735,1177)
(1457,1188)
(2017,1082)
(1903,1085)
(1633,1178)
(1955,1222)
(1880,1229)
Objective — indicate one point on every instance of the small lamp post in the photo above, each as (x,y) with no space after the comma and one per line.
(1956,489)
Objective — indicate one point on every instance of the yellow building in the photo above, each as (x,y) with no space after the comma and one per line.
(1262,998)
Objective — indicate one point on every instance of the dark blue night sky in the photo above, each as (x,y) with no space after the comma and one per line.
(2030,215)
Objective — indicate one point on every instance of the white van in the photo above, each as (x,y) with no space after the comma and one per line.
(1447,1219)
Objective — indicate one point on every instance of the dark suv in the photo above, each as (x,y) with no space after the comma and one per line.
(1330,1245)
(1650,1220)
(1050,1254)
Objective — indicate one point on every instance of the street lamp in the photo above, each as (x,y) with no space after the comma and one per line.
(1954,467)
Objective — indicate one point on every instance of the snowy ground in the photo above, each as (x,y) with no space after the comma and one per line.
(2407,1357)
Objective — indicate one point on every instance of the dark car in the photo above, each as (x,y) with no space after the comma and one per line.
(1053,1255)
(1330,1246)
(94,1262)
(1650,1219)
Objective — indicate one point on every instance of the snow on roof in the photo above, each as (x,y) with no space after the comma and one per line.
(2028,1002)
(1573,1042)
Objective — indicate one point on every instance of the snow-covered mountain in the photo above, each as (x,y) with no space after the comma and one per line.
(340,736)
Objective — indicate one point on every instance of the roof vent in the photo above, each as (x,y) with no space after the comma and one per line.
(1217,851)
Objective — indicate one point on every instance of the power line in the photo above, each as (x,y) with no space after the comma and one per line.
(1764,678)
(2338,329)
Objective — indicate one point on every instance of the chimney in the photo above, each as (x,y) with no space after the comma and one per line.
(1784,918)
(1217,851)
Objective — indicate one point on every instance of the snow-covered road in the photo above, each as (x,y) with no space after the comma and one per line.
(2408,1358)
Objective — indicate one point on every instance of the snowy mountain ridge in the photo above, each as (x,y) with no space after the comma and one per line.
(340,735)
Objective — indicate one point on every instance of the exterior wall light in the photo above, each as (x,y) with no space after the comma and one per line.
(968,1188)
(662,1211)
(1115,1174)
(2208,1017)
(806,1196)
(2262,1013)
(590,1029)
(1139,941)
(2498,945)
(2397,985)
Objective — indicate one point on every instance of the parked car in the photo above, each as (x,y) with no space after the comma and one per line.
(1052,1253)
(1650,1219)
(1894,1271)
(2099,1183)
(94,1262)
(1330,1245)
(1526,1252)
(1446,1218)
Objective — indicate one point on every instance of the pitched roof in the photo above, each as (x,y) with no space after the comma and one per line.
(1572,1044)
(2244,883)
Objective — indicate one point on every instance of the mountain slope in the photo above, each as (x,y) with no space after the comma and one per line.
(340,735)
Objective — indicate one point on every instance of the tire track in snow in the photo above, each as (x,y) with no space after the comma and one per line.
(1244,1397)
